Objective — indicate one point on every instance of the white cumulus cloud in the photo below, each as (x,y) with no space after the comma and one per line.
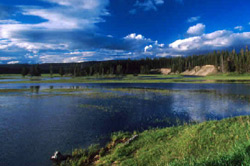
(64,17)
(221,39)
(13,62)
(240,28)
(135,36)
(147,48)
(197,29)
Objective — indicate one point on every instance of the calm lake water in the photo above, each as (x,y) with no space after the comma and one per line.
(37,119)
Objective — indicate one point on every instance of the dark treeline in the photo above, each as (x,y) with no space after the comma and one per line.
(225,61)
(42,68)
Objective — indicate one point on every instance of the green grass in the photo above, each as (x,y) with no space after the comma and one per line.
(212,143)
(19,75)
(7,75)
(13,90)
(229,76)
(218,78)
(48,75)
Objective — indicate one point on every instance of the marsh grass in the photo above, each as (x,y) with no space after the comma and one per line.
(143,90)
(94,107)
(66,90)
(220,143)
(13,90)
(218,78)
(113,79)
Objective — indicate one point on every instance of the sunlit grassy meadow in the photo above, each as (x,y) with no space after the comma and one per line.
(212,143)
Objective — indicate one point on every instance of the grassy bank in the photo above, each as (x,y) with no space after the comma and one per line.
(220,143)
(219,78)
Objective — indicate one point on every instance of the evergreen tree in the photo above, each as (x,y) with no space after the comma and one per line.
(51,71)
(248,60)
(111,70)
(61,71)
(119,69)
(142,70)
(25,71)
(222,64)
(35,70)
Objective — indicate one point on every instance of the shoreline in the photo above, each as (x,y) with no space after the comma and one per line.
(212,142)
(219,78)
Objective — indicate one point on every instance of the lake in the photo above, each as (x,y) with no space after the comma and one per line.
(37,119)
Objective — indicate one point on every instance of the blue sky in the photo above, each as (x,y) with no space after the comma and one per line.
(62,31)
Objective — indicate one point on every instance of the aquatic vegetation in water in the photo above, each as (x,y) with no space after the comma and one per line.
(93,107)
(13,90)
(66,89)
(142,90)
(125,109)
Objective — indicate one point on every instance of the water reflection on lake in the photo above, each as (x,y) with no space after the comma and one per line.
(37,119)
